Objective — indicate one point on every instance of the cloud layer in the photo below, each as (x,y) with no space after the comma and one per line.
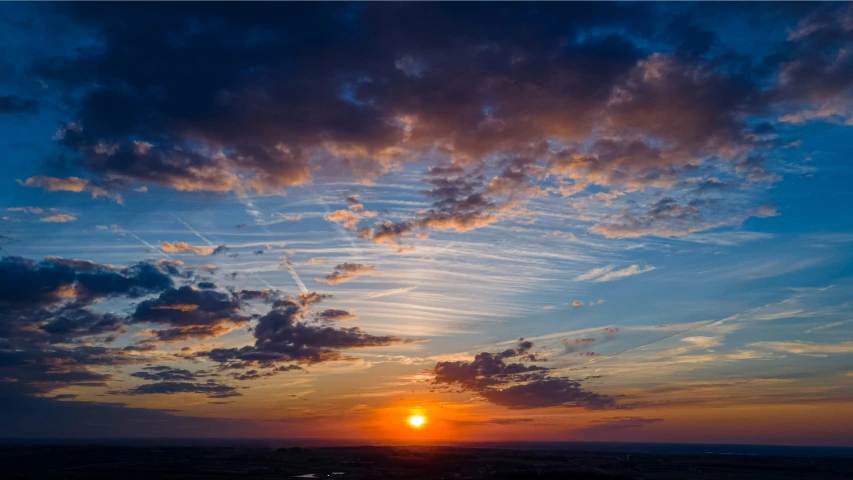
(624,99)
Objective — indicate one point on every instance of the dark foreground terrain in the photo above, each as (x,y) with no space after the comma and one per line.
(124,462)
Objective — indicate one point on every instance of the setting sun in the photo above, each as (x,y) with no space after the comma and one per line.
(416,421)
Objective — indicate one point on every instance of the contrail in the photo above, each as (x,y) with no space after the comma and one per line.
(252,210)
(296,278)
(341,230)
(199,235)
(214,245)
(653,341)
(390,292)
(702,325)
(151,246)
(195,232)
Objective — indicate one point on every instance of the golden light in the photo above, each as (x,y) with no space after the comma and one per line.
(416,421)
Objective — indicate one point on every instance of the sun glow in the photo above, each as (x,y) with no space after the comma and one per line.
(416,421)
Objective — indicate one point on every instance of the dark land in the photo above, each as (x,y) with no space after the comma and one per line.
(82,461)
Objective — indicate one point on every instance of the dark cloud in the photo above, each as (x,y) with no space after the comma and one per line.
(65,396)
(164,373)
(210,389)
(547,392)
(142,347)
(135,281)
(346,272)
(31,371)
(257,375)
(269,102)
(266,295)
(13,104)
(335,315)
(284,335)
(49,302)
(577,344)
(815,68)
(188,313)
(516,385)
(354,202)
(24,282)
(463,201)
(69,323)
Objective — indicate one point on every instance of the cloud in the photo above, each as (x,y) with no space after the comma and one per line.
(70,184)
(182,247)
(209,389)
(828,325)
(64,396)
(33,210)
(50,302)
(610,273)
(283,335)
(349,218)
(190,313)
(577,345)
(354,202)
(59,218)
(461,203)
(548,392)
(50,331)
(335,315)
(816,73)
(607,111)
(806,348)
(164,373)
(516,385)
(38,371)
(346,272)
(666,217)
(266,295)
(393,291)
(13,104)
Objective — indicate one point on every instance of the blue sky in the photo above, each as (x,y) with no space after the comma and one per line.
(652,197)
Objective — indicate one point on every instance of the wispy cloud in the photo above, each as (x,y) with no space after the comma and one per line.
(60,218)
(183,247)
(394,291)
(806,348)
(70,184)
(826,326)
(610,273)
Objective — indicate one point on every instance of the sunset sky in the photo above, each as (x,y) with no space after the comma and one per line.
(587,221)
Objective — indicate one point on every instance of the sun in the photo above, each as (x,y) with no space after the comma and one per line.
(416,421)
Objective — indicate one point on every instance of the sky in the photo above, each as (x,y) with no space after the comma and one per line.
(520,221)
